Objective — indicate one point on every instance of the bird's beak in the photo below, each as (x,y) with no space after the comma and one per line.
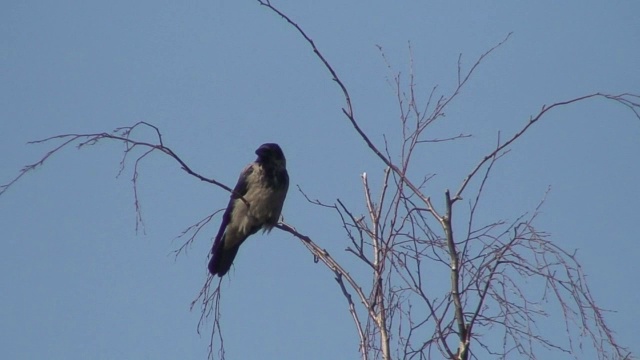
(261,151)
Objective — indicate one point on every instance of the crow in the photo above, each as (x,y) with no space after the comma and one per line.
(256,203)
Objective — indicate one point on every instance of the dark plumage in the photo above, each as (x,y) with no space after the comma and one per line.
(263,184)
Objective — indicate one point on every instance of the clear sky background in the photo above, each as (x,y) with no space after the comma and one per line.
(221,77)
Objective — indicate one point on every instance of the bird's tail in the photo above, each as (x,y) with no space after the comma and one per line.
(222,258)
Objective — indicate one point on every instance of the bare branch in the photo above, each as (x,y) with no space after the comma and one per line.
(459,136)
(352,310)
(340,274)
(194,231)
(121,135)
(209,300)
(626,99)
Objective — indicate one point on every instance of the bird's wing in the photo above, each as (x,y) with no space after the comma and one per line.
(281,194)
(238,191)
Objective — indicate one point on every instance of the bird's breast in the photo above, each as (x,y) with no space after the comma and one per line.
(265,204)
(261,206)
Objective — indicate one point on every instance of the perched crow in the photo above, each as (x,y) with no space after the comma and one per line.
(262,185)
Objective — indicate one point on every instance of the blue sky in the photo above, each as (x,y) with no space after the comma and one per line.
(221,77)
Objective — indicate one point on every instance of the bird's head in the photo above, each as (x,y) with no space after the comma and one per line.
(271,153)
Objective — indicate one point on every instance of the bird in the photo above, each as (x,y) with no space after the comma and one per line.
(256,203)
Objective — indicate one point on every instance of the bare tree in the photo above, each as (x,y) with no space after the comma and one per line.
(406,239)
(405,316)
